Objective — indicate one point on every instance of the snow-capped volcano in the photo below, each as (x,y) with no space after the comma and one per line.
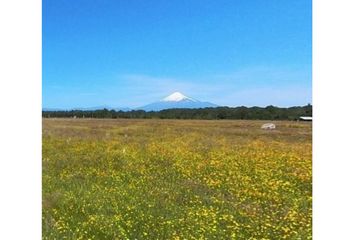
(176,100)
(176,97)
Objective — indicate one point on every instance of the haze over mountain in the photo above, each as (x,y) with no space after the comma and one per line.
(124,109)
(176,100)
(103,107)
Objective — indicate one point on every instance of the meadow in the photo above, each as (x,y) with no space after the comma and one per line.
(176,179)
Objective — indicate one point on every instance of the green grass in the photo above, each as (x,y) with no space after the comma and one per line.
(170,179)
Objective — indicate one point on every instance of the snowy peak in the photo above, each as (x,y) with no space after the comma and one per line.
(176,97)
(176,100)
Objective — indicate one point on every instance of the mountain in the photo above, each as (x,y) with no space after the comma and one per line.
(176,100)
(124,109)
(52,109)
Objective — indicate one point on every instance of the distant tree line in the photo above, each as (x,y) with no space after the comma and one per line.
(252,113)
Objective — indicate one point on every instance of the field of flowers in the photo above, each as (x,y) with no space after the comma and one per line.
(176,179)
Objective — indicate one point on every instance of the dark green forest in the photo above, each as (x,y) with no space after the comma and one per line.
(252,113)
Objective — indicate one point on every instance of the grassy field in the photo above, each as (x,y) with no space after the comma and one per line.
(176,179)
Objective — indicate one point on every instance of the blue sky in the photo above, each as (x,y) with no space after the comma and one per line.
(130,53)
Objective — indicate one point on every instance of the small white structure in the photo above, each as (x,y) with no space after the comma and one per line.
(268,126)
(305,118)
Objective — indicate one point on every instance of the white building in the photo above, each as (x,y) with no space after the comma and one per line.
(306,118)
